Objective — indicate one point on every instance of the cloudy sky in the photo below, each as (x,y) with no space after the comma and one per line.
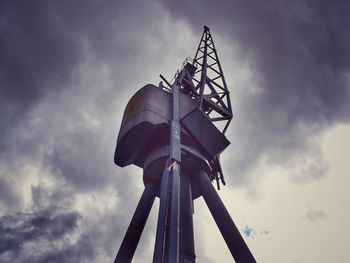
(67,70)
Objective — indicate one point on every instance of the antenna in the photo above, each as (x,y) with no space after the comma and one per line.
(173,133)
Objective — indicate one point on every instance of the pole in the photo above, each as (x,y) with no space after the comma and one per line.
(187,250)
(227,227)
(162,225)
(167,236)
(137,224)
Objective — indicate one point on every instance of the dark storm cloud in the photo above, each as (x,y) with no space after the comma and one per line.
(45,50)
(34,50)
(43,45)
(40,45)
(38,50)
(25,234)
(299,53)
(7,195)
(81,251)
(65,67)
(45,233)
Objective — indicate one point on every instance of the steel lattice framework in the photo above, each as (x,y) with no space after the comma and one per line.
(203,79)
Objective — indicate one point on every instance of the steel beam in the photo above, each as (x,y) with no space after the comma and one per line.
(174,217)
(167,237)
(159,253)
(187,248)
(137,224)
(227,227)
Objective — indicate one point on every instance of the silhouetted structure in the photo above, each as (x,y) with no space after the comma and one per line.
(169,131)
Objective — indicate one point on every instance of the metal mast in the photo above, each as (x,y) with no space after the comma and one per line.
(207,83)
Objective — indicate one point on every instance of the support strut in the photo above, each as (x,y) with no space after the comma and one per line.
(187,249)
(227,227)
(138,221)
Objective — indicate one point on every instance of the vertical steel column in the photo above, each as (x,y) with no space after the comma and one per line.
(227,227)
(187,249)
(175,159)
(162,225)
(174,219)
(175,144)
(167,237)
(137,224)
